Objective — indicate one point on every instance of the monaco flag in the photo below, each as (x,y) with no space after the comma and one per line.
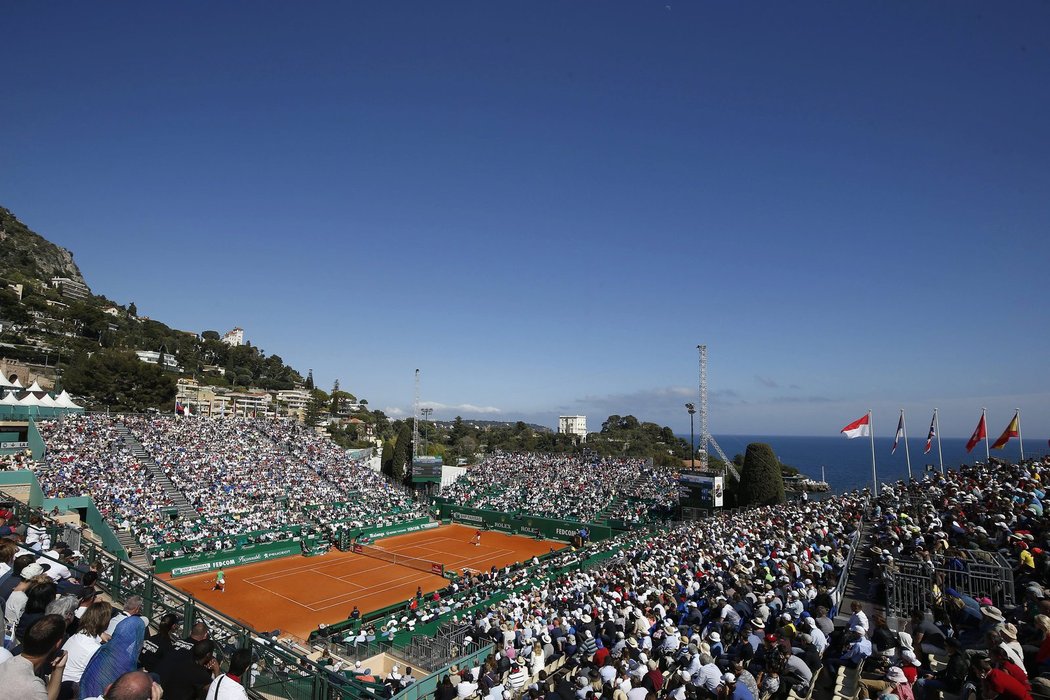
(979,433)
(858,428)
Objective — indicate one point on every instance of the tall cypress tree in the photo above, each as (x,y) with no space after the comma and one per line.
(761,483)
(402,452)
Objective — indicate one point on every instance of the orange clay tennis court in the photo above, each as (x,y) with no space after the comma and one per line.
(297,594)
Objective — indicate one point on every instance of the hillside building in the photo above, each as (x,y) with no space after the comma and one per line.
(293,401)
(70,289)
(165,360)
(234,338)
(573,425)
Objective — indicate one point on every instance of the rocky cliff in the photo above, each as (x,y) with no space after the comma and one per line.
(25,255)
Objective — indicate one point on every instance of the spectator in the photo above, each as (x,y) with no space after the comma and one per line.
(114,658)
(21,676)
(83,645)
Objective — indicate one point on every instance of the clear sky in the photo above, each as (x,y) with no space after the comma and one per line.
(547,206)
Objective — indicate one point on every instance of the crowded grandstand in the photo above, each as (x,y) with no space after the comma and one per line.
(748,605)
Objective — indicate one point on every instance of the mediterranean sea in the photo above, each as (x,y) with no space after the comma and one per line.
(847,463)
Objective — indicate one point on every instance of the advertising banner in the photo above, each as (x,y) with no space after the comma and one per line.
(550,528)
(248,554)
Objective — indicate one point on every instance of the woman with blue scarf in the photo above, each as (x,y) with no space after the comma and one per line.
(114,658)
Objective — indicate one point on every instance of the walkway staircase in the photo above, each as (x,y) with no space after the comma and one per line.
(136,552)
(160,479)
(603,517)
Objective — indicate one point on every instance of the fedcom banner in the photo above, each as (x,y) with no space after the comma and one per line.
(526,525)
(249,554)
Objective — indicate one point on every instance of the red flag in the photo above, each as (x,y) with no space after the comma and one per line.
(979,433)
(1013,430)
(858,428)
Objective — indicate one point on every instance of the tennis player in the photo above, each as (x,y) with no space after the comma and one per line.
(477,538)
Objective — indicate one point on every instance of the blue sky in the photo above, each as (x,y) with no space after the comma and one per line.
(547,206)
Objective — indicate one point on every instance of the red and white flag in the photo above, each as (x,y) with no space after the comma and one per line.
(979,433)
(899,435)
(858,428)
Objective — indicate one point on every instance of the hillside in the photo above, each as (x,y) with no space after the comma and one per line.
(85,336)
(26,256)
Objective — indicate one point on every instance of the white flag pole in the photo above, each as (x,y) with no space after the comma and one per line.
(984,420)
(1020,440)
(937,427)
(907,453)
(874,474)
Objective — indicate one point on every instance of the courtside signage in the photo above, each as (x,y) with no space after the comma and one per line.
(200,563)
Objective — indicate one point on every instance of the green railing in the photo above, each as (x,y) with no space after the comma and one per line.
(427,686)
(94,520)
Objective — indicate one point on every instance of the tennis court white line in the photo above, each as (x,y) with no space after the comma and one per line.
(470,560)
(307,567)
(363,593)
(290,600)
(296,569)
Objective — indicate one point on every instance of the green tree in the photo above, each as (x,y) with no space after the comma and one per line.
(120,381)
(133,310)
(11,309)
(761,483)
(402,452)
(316,408)
(459,430)
(211,335)
(334,408)
(386,461)
(310,380)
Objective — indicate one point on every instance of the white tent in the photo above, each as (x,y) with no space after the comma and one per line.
(29,400)
(35,389)
(17,384)
(9,400)
(64,400)
(47,400)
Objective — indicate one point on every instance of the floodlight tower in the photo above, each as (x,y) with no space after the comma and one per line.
(705,434)
(415,420)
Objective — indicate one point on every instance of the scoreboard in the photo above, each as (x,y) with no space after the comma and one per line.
(700,490)
(426,469)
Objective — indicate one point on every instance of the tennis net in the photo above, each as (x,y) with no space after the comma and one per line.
(431,567)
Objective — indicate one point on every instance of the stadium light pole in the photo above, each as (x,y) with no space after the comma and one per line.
(426,432)
(692,440)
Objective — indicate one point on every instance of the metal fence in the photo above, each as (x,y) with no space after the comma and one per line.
(981,574)
(450,642)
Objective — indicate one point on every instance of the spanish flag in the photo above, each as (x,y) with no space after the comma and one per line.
(1013,430)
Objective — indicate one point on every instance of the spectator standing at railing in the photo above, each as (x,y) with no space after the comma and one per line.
(228,685)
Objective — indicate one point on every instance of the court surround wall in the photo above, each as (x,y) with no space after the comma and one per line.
(550,528)
(202,562)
